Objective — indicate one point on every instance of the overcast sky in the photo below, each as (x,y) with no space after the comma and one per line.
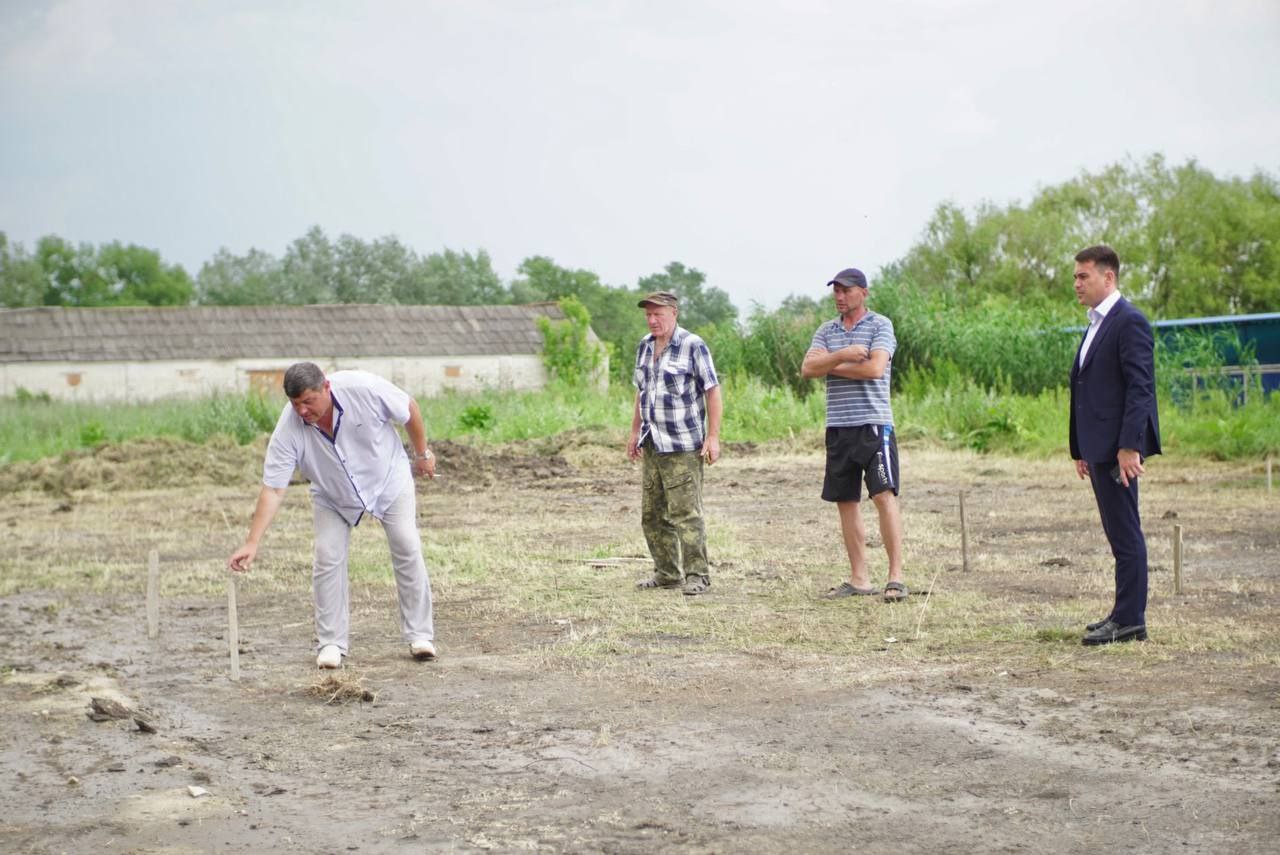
(767,144)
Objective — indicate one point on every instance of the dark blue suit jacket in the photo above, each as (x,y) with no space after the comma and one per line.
(1113,395)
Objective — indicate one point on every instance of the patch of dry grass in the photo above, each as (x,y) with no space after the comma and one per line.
(340,687)
(521,555)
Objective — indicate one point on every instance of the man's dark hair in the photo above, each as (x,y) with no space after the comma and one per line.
(1101,256)
(302,376)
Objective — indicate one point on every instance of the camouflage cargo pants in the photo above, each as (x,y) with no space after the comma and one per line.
(671,513)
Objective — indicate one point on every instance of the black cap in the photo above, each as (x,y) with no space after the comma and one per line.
(848,277)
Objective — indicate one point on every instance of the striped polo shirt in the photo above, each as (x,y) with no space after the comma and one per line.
(851,403)
(672,405)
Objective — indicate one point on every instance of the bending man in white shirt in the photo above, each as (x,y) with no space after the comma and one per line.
(340,432)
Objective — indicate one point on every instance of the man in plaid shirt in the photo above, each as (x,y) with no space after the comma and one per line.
(675,427)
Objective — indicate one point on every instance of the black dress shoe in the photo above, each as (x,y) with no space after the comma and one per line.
(1111,631)
(1090,627)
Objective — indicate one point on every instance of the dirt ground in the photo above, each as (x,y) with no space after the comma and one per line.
(569,712)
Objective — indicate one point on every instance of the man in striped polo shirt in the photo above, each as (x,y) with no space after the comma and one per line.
(855,353)
(674,428)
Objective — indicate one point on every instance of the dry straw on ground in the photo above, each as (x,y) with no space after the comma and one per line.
(341,687)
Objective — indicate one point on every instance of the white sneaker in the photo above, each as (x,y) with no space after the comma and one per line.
(422,650)
(330,657)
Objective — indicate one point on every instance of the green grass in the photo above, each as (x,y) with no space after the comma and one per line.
(32,428)
(941,406)
(963,415)
(507,416)
(1214,426)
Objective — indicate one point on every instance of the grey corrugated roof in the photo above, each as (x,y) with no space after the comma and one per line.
(52,334)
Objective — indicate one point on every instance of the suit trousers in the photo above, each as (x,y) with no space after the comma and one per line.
(1118,507)
(331,586)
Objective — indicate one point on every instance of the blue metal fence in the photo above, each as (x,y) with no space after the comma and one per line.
(1258,333)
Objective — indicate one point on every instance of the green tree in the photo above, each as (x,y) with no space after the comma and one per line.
(615,317)
(452,278)
(309,270)
(542,280)
(252,279)
(371,272)
(70,274)
(1191,243)
(352,276)
(1212,246)
(567,351)
(139,277)
(21,279)
(114,274)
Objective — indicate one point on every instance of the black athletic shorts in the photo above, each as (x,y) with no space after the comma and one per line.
(855,454)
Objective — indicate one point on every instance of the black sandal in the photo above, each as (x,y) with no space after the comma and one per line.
(657,582)
(846,589)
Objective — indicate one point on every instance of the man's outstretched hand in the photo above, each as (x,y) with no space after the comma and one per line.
(242,558)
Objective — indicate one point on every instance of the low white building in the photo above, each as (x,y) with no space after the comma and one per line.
(145,353)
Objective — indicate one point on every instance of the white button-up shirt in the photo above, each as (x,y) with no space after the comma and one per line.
(1096,316)
(363,468)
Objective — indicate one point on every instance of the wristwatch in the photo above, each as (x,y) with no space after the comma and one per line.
(426,455)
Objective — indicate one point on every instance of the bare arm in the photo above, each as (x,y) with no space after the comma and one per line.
(820,363)
(715,409)
(425,462)
(633,444)
(269,500)
(871,368)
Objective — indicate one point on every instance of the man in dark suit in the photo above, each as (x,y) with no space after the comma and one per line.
(1114,426)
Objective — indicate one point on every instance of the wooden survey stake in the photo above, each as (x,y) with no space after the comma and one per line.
(1177,559)
(233,628)
(153,594)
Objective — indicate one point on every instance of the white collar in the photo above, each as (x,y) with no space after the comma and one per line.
(1103,308)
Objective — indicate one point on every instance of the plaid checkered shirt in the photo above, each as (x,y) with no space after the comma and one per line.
(672,392)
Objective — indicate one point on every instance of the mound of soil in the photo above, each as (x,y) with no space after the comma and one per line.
(459,464)
(139,464)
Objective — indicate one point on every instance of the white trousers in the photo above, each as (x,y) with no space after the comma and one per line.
(331,586)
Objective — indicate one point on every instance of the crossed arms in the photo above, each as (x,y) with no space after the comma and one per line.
(853,362)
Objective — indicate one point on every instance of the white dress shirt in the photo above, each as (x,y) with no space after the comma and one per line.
(1096,316)
(363,468)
